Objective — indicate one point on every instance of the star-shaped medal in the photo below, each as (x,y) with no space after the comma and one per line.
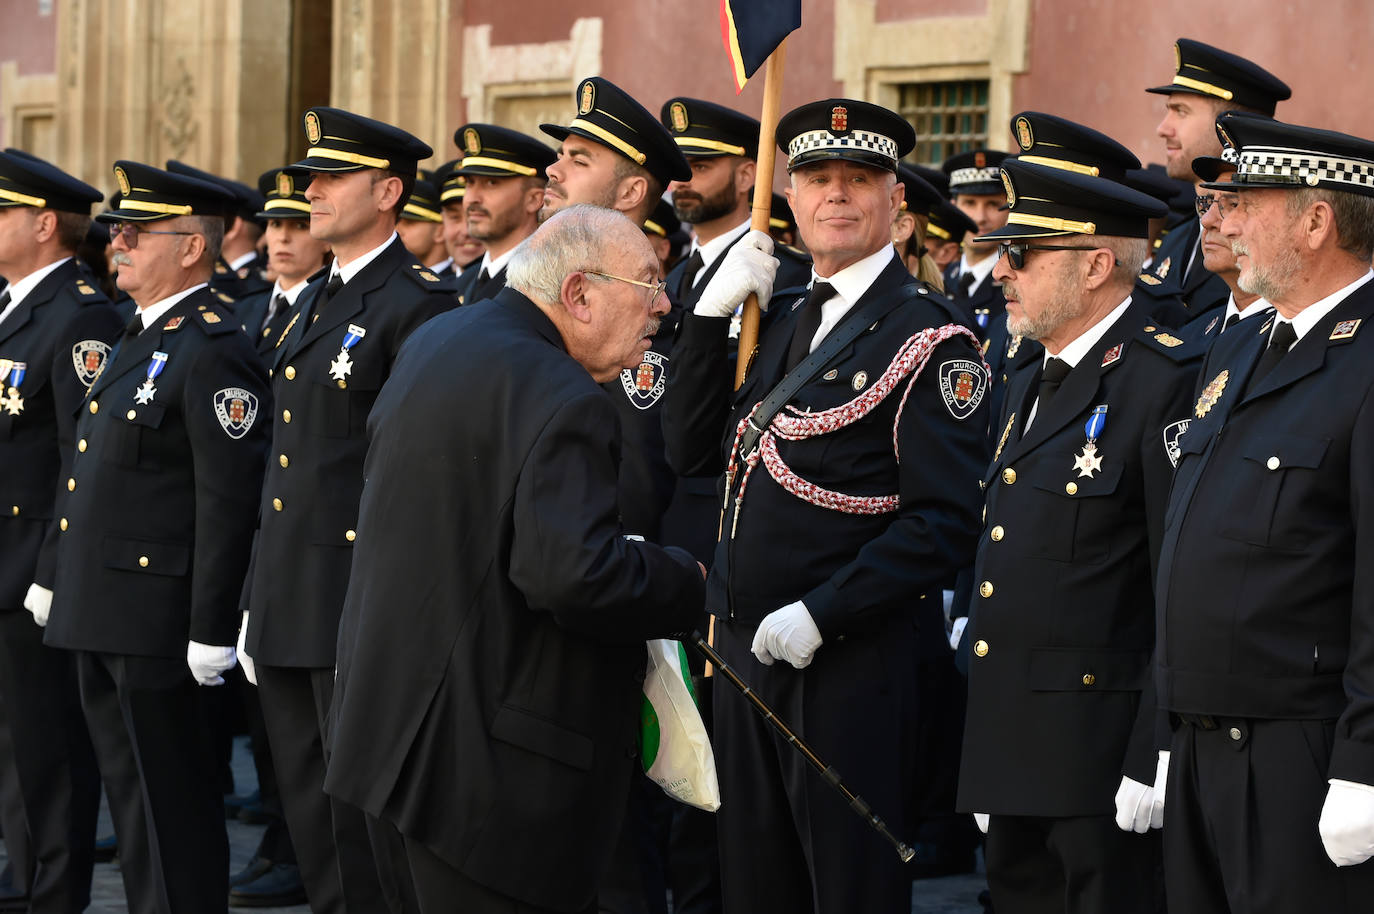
(340,366)
(145,393)
(13,404)
(1088,462)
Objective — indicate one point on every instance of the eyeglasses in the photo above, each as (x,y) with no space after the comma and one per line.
(130,231)
(656,288)
(1015,251)
(1226,204)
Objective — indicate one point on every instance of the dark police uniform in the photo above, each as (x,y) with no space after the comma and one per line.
(327,373)
(1265,651)
(975,172)
(261,318)
(871,582)
(52,345)
(1061,628)
(155,520)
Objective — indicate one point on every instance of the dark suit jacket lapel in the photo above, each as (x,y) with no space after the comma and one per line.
(135,354)
(1309,353)
(40,295)
(349,300)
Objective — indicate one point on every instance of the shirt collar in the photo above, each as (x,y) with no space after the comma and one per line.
(1074,352)
(980,270)
(354,267)
(1308,317)
(22,287)
(153,312)
(242,260)
(442,265)
(1255,307)
(717,246)
(292,293)
(853,281)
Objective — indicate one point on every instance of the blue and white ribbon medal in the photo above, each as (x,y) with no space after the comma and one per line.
(341,366)
(144,394)
(14,372)
(1090,462)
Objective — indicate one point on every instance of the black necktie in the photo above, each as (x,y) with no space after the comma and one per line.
(1051,376)
(1230,322)
(134,327)
(4,299)
(278,306)
(808,322)
(1283,337)
(482,277)
(965,284)
(689,274)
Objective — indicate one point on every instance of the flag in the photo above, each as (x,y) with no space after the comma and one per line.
(753,29)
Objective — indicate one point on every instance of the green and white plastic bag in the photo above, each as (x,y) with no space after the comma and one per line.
(673,743)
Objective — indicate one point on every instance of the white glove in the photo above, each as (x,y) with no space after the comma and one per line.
(1161,781)
(956,631)
(249,671)
(1347,822)
(207,661)
(747,267)
(39,602)
(1133,803)
(787,634)
(981,820)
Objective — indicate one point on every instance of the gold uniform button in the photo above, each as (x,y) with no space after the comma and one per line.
(1150,329)
(131,414)
(283,461)
(286,416)
(81,445)
(1009,476)
(290,372)
(15,510)
(342,384)
(985,589)
(980,648)
(350,535)
(1089,679)
(142,561)
(62,525)
(276,504)
(997,533)
(71,486)
(1071,488)
(95,407)
(1273,463)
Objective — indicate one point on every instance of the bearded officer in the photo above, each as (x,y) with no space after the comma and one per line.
(337,352)
(155,523)
(834,548)
(1266,627)
(55,334)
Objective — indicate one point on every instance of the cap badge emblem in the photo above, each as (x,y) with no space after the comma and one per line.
(839,119)
(1024,136)
(285,186)
(1007,186)
(588,98)
(980,160)
(677,113)
(123,180)
(471,141)
(312,127)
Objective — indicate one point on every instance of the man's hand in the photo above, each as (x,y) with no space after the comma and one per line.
(981,819)
(1133,802)
(207,661)
(39,602)
(787,634)
(749,266)
(1347,822)
(249,671)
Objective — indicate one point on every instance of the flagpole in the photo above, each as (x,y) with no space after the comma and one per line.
(763,198)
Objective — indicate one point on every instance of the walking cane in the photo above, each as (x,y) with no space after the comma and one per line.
(827,772)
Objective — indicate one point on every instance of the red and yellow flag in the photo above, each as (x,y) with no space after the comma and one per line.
(752,29)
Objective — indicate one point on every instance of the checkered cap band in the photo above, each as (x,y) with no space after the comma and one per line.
(863,140)
(1229,154)
(975,176)
(1276,165)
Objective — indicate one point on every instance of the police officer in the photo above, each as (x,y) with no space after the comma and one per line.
(665,234)
(421,227)
(504,171)
(977,190)
(337,352)
(292,253)
(1207,81)
(55,334)
(155,519)
(1265,654)
(833,551)
(463,249)
(239,270)
(1058,742)
(946,227)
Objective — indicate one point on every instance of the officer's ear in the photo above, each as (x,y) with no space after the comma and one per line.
(631,193)
(903,228)
(573,294)
(745,173)
(1101,263)
(194,251)
(1318,224)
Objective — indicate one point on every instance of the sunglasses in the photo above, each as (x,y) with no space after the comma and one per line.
(130,231)
(1226,204)
(1015,251)
(657,288)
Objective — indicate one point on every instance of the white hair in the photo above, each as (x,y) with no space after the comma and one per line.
(575,238)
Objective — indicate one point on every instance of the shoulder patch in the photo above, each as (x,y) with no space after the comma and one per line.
(1173,433)
(1168,339)
(1149,279)
(644,385)
(83,288)
(88,358)
(227,299)
(235,408)
(210,317)
(213,323)
(429,281)
(963,382)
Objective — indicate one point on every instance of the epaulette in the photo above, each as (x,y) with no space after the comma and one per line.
(213,322)
(1170,345)
(227,299)
(84,288)
(430,281)
(1149,279)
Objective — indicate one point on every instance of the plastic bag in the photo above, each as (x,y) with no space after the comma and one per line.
(673,744)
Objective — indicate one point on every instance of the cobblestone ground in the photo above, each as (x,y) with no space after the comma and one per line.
(950,895)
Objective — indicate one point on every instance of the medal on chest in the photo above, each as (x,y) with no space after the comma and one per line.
(11,376)
(341,366)
(146,390)
(1090,461)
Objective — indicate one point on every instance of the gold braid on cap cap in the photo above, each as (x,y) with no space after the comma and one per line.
(1054,223)
(654,227)
(1190,83)
(410,209)
(353,158)
(1062,164)
(610,139)
(17,197)
(713,145)
(144,206)
(286,203)
(514,168)
(933,229)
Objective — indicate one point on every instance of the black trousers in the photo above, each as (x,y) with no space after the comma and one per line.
(330,836)
(144,718)
(275,844)
(1240,822)
(55,763)
(789,843)
(14,825)
(1077,865)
